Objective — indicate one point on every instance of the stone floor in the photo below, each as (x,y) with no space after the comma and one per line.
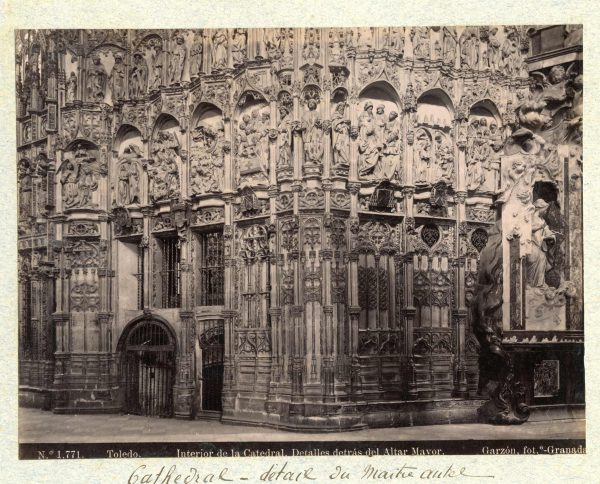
(38,426)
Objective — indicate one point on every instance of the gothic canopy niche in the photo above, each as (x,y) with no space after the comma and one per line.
(434,153)
(379,134)
(80,173)
(484,146)
(252,140)
(206,150)
(127,167)
(165,164)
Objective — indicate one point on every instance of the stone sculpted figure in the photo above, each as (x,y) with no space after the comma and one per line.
(395,40)
(341,136)
(449,45)
(238,46)
(469,52)
(422,157)
(494,49)
(368,146)
(478,153)
(537,259)
(492,164)
(312,134)
(445,159)
(87,183)
(509,52)
(129,176)
(392,147)
(97,80)
(69,179)
(157,65)
(263,140)
(380,123)
(134,183)
(117,78)
(273,43)
(71,88)
(196,52)
(138,83)
(123,186)
(171,169)
(219,49)
(287,43)
(285,146)
(421,42)
(178,55)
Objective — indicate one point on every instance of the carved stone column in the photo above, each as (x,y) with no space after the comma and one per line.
(145,246)
(298,363)
(353,171)
(409,135)
(409,311)
(183,391)
(297,133)
(460,310)
(461,144)
(277,344)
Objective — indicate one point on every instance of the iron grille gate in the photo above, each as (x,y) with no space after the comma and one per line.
(212,342)
(148,369)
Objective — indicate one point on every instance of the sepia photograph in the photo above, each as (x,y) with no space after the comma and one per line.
(300,241)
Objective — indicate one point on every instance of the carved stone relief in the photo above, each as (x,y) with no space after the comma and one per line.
(207,155)
(379,143)
(79,175)
(163,167)
(252,144)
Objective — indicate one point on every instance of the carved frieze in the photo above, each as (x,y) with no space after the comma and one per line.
(209,215)
(83,229)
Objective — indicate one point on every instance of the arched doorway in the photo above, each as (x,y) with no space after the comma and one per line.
(147,369)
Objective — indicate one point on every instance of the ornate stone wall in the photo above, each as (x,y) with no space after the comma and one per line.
(352,172)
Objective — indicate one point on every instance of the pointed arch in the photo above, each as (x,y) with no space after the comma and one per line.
(486,107)
(126,134)
(382,90)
